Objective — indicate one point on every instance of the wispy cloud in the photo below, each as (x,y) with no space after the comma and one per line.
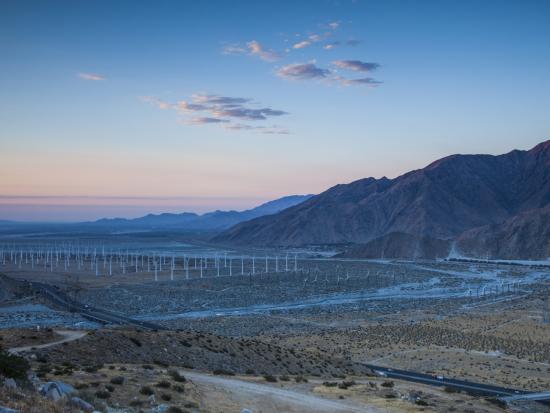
(315,37)
(252,48)
(331,45)
(247,113)
(334,25)
(204,120)
(267,130)
(302,44)
(219,100)
(159,103)
(302,71)
(229,111)
(310,71)
(91,76)
(353,42)
(257,49)
(356,65)
(191,107)
(366,81)
(234,49)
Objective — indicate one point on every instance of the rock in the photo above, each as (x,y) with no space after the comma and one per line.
(54,390)
(53,394)
(10,384)
(6,410)
(82,404)
(161,408)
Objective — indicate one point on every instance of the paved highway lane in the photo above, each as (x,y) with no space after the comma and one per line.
(470,387)
(91,313)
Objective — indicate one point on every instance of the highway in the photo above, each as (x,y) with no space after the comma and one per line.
(467,386)
(542,396)
(99,315)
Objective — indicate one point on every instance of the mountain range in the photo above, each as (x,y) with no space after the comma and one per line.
(474,205)
(188,221)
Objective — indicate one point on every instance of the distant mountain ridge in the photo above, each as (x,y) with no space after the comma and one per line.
(439,202)
(211,221)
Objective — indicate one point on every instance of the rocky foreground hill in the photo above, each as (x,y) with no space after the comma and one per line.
(475,205)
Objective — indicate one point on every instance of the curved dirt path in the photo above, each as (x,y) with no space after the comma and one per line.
(68,335)
(233,393)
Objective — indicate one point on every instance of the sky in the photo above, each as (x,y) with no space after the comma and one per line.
(118,109)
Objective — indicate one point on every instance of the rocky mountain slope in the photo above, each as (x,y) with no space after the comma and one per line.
(441,201)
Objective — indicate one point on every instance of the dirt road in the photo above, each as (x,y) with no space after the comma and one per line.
(233,394)
(68,335)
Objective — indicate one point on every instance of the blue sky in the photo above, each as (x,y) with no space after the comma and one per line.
(123,108)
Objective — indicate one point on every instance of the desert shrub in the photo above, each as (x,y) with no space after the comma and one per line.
(176,376)
(187,366)
(147,367)
(223,372)
(146,391)
(135,341)
(388,383)
(13,366)
(270,378)
(300,379)
(93,369)
(178,388)
(175,409)
(42,358)
(81,386)
(421,402)
(136,403)
(164,384)
(110,388)
(250,371)
(497,402)
(330,384)
(191,405)
(117,380)
(102,394)
(161,363)
(185,343)
(284,377)
(166,397)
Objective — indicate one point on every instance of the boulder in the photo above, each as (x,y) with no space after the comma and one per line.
(82,404)
(161,408)
(6,410)
(54,390)
(10,384)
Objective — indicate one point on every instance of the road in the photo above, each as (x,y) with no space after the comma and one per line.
(68,335)
(542,396)
(99,315)
(237,394)
(467,386)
